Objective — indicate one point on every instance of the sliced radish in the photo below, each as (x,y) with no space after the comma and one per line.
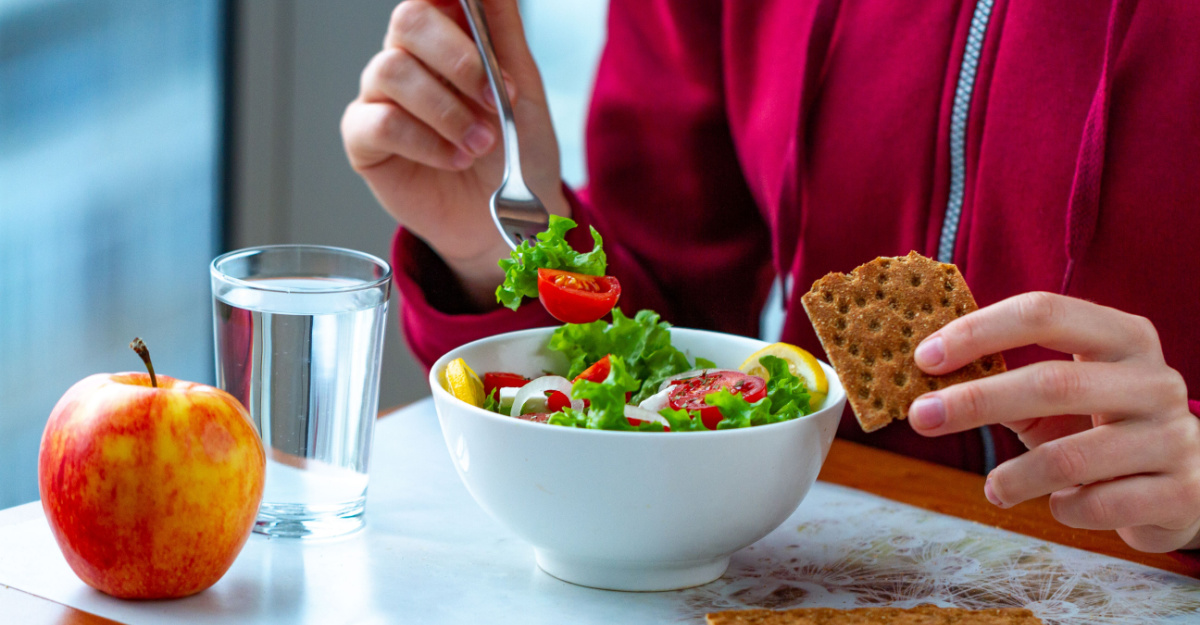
(537,389)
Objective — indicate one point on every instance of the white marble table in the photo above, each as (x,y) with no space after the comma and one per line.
(430,555)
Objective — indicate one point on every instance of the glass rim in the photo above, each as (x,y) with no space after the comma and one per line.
(218,274)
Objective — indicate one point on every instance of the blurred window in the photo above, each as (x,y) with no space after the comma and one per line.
(110,176)
(566,39)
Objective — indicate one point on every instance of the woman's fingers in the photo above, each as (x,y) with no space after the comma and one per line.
(375,131)
(1052,387)
(431,36)
(396,75)
(1065,324)
(1095,455)
(1139,500)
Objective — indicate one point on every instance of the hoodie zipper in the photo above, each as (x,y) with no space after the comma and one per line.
(958,165)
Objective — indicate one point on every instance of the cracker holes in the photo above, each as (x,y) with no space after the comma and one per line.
(838,340)
(860,301)
(878,403)
(885,264)
(905,347)
(827,296)
(867,377)
(900,379)
(933,384)
(949,286)
(883,278)
(893,304)
(906,331)
(915,280)
(910,314)
(868,359)
(840,323)
(854,349)
(926,307)
(864,392)
(949,270)
(879,295)
(894,413)
(886,355)
(945,302)
(843,307)
(873,326)
(986,364)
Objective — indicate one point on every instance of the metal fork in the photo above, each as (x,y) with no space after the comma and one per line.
(518,213)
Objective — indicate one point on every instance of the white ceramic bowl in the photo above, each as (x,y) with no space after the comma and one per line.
(630,510)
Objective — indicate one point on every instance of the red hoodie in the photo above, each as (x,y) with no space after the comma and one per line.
(733,141)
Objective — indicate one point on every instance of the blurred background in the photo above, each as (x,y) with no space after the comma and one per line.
(141,138)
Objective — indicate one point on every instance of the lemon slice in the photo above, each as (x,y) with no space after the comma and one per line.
(463,383)
(800,363)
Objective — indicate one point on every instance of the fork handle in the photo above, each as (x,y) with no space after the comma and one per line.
(513,180)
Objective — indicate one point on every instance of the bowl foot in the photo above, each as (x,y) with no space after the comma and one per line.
(629,575)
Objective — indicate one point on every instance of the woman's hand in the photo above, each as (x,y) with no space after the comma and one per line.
(423,132)
(1110,435)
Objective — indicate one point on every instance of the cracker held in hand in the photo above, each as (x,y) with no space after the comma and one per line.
(920,615)
(870,321)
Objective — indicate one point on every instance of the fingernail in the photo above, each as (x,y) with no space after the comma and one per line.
(489,97)
(927,413)
(991,494)
(461,159)
(479,138)
(931,352)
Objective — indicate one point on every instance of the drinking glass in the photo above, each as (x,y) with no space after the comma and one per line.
(299,339)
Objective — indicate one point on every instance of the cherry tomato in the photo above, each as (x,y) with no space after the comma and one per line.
(598,372)
(494,380)
(557,401)
(688,394)
(575,297)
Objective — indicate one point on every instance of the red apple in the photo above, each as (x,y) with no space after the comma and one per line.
(150,484)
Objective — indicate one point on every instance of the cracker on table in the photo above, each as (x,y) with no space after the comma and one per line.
(920,615)
(870,321)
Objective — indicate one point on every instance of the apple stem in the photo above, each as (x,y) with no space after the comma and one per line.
(140,347)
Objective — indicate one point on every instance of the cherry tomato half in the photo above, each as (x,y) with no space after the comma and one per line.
(493,380)
(575,297)
(598,372)
(688,394)
(556,401)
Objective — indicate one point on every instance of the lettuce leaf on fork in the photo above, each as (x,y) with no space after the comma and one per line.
(552,252)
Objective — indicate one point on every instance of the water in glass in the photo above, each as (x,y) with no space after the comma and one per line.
(306,365)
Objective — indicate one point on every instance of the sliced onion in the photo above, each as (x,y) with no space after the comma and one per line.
(641,414)
(657,401)
(538,387)
(688,374)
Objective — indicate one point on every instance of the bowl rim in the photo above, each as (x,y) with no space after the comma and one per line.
(835,397)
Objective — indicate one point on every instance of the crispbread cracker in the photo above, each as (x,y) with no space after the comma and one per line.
(920,615)
(870,321)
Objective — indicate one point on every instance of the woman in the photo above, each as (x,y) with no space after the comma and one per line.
(1051,151)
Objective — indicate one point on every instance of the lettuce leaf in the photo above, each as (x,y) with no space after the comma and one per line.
(787,398)
(551,252)
(606,409)
(642,343)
